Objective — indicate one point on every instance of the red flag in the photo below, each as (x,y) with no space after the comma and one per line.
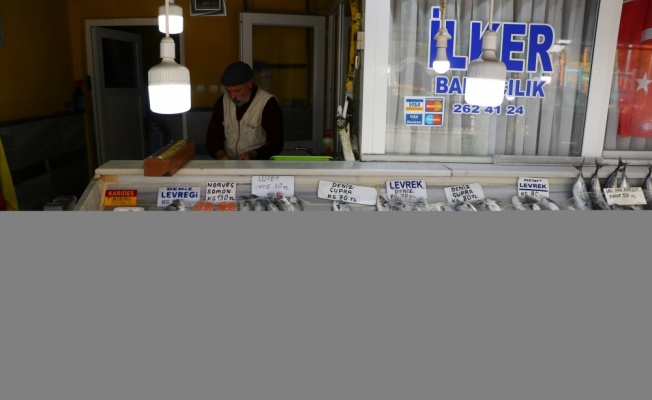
(635,69)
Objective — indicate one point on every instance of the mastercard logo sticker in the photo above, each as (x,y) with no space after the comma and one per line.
(434,105)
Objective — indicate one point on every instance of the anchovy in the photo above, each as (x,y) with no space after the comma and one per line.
(382,204)
(647,187)
(339,206)
(245,203)
(598,201)
(177,205)
(612,179)
(580,193)
(441,206)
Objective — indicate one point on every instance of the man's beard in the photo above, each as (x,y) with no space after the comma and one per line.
(238,102)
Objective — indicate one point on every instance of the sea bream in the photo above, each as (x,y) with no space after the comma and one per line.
(581,199)
(441,206)
(340,206)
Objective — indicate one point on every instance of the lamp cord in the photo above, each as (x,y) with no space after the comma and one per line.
(443,13)
(491,15)
(167,18)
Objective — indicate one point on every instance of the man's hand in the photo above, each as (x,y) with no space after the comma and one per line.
(221,155)
(248,155)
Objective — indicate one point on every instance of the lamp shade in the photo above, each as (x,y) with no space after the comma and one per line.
(169,83)
(485,79)
(175,18)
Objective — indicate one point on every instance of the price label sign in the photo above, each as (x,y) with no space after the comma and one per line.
(118,198)
(625,196)
(533,187)
(409,190)
(462,193)
(347,193)
(167,194)
(217,192)
(263,185)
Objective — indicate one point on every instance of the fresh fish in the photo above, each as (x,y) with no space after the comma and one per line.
(282,202)
(177,205)
(623,180)
(519,204)
(260,204)
(479,205)
(399,204)
(340,206)
(548,204)
(245,203)
(580,193)
(612,180)
(536,206)
(297,202)
(647,187)
(272,207)
(596,196)
(493,204)
(382,204)
(464,207)
(441,206)
(421,204)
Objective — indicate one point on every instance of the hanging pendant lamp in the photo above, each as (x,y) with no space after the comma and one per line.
(441,65)
(485,79)
(175,18)
(168,82)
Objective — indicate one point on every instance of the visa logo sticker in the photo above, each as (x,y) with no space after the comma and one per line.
(414,119)
(412,104)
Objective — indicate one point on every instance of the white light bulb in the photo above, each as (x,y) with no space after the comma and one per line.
(175,18)
(441,65)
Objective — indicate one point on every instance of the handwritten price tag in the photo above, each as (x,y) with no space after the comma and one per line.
(217,192)
(625,196)
(347,193)
(263,185)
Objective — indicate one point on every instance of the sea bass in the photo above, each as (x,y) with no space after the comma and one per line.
(382,204)
(177,205)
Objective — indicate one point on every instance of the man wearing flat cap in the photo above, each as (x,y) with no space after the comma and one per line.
(247,123)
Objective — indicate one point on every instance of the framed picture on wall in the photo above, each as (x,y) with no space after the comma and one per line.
(208,7)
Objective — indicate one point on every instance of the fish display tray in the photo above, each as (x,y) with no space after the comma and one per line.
(301,158)
(168,166)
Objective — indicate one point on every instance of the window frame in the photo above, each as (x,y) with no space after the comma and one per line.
(374,93)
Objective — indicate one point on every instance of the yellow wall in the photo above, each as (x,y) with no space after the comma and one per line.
(45,46)
(36,75)
(211,42)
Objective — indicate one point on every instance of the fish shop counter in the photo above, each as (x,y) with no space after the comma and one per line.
(495,182)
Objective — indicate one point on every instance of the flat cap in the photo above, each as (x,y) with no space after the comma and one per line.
(237,73)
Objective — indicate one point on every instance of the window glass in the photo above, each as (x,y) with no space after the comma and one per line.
(547,47)
(629,122)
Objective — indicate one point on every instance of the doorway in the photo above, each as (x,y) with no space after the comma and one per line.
(287,53)
(119,56)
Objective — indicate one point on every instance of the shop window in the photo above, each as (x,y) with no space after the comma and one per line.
(547,46)
(629,120)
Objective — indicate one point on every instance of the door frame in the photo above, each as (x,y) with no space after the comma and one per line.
(318,23)
(116,24)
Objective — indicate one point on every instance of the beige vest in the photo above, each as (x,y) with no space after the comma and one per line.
(247,134)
